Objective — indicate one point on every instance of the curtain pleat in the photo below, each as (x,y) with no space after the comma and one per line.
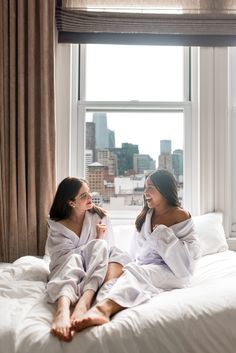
(3,152)
(21,138)
(27,126)
(13,204)
(32,107)
(47,128)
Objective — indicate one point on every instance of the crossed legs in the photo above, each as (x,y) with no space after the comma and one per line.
(63,319)
(98,315)
(67,321)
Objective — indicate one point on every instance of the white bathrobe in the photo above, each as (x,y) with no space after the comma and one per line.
(78,263)
(165,260)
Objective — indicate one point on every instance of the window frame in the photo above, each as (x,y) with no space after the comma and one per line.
(190,150)
(209,132)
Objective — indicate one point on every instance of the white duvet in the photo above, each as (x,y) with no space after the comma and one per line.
(199,319)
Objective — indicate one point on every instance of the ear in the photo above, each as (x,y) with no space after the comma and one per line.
(71,204)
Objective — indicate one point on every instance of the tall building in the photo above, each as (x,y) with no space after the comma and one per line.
(88,161)
(128,152)
(125,158)
(111,139)
(101,130)
(90,138)
(165,146)
(120,161)
(165,162)
(143,162)
(165,158)
(177,164)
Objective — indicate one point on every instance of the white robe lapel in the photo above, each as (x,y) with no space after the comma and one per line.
(147,224)
(87,228)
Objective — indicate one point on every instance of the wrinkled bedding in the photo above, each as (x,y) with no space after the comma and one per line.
(197,319)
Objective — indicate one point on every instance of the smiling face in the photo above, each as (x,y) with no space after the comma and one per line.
(152,196)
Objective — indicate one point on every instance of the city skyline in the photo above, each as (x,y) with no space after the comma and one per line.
(142,132)
(120,171)
(127,159)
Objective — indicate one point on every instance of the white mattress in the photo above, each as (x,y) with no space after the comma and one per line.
(199,319)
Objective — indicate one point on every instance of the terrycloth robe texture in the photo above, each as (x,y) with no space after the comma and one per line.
(165,259)
(78,263)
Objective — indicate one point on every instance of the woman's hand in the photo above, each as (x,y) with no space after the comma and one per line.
(101,229)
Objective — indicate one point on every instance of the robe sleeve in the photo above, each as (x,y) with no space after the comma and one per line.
(178,253)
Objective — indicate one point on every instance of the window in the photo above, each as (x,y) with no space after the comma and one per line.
(134,101)
(208,125)
(131,72)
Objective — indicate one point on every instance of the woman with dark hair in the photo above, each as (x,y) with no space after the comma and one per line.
(165,248)
(82,254)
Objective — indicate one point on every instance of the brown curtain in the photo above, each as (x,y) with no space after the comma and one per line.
(27,126)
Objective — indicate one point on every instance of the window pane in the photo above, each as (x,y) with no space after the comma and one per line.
(143,73)
(121,148)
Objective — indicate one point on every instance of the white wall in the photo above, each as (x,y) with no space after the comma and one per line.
(232,127)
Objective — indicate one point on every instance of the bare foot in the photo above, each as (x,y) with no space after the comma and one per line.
(61,326)
(78,312)
(93,317)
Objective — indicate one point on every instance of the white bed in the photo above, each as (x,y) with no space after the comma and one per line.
(198,319)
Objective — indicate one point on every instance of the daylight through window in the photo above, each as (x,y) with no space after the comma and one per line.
(134,118)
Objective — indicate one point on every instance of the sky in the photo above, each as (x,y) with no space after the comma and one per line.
(140,73)
(146,130)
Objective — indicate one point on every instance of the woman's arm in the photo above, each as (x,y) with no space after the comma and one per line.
(179,253)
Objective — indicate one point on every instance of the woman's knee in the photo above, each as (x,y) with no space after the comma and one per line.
(114,270)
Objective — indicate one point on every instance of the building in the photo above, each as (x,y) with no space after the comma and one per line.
(177,164)
(125,158)
(90,137)
(101,130)
(165,159)
(142,162)
(111,139)
(108,159)
(88,161)
(96,177)
(130,188)
(165,147)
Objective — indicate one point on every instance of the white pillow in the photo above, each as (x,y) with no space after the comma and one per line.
(211,233)
(123,235)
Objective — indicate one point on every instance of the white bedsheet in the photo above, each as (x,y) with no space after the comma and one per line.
(200,319)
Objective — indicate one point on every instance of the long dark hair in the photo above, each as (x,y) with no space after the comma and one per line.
(67,191)
(165,183)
